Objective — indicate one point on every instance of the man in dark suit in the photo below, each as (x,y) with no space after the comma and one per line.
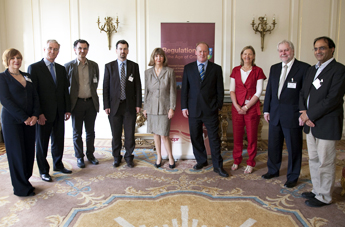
(83,76)
(52,88)
(321,105)
(122,99)
(201,98)
(282,113)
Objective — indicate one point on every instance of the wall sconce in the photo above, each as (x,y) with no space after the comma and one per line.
(109,27)
(262,28)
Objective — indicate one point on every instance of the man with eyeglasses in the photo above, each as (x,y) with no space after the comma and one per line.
(51,83)
(321,105)
(281,112)
(83,76)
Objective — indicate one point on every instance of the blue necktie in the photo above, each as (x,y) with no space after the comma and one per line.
(202,72)
(53,72)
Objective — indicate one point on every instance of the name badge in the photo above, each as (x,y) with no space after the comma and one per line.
(130,78)
(28,79)
(292,85)
(317,83)
(95,79)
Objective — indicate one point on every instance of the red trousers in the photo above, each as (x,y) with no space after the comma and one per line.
(250,120)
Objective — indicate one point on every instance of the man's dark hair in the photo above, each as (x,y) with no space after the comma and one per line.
(80,41)
(328,40)
(122,41)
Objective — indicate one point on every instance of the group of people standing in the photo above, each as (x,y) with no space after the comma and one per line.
(50,94)
(297,95)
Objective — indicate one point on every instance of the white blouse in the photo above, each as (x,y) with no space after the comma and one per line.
(244,77)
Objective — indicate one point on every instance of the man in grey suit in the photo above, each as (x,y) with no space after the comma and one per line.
(83,76)
(122,99)
(321,105)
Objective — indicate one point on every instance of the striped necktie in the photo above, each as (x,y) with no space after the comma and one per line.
(202,72)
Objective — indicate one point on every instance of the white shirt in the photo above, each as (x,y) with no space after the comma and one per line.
(244,77)
(289,66)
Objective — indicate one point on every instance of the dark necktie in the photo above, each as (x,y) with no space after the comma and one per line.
(202,72)
(123,82)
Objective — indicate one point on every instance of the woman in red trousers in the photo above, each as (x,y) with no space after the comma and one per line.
(245,89)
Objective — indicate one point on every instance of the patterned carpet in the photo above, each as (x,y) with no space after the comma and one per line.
(2,148)
(145,196)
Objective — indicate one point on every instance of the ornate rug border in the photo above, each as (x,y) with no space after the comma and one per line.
(72,214)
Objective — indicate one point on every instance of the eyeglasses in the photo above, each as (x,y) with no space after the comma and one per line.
(320,48)
(53,49)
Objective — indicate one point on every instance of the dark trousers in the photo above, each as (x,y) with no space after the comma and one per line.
(56,131)
(84,112)
(212,126)
(293,138)
(20,148)
(127,119)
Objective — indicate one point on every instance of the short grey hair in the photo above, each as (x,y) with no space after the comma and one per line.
(288,42)
(53,41)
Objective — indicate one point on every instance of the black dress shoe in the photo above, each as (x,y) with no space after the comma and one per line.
(200,166)
(308,195)
(313,202)
(80,162)
(221,172)
(29,194)
(158,165)
(46,177)
(290,184)
(93,160)
(129,161)
(172,166)
(130,164)
(269,176)
(117,161)
(63,170)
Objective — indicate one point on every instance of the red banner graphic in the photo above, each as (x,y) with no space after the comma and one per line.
(179,40)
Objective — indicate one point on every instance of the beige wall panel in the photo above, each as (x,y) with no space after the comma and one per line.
(340,45)
(315,22)
(243,34)
(89,13)
(55,24)
(227,42)
(2,31)
(18,26)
